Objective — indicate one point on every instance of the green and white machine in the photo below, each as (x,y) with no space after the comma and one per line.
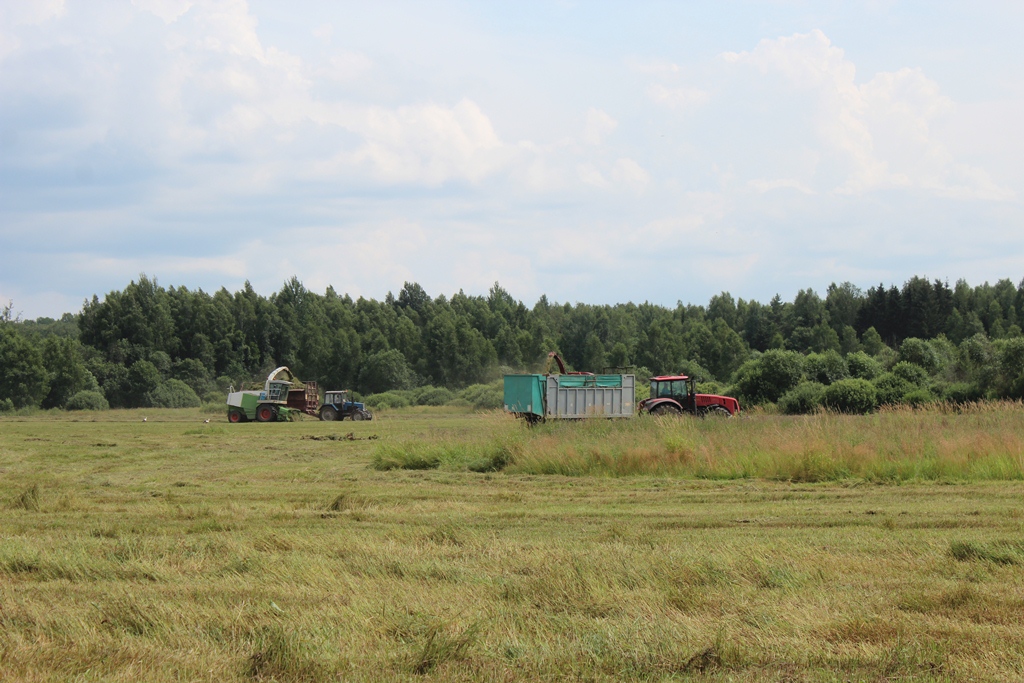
(282,395)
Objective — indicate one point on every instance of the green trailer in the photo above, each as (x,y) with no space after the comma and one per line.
(536,398)
(524,396)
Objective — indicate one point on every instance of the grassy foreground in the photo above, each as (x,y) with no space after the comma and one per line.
(178,550)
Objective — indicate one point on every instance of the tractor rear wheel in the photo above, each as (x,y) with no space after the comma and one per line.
(715,412)
(265,413)
(665,409)
(235,415)
(328,414)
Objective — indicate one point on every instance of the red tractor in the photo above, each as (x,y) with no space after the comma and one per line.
(677,394)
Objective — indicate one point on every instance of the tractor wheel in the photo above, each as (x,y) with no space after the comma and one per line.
(664,410)
(266,413)
(328,414)
(235,416)
(359,415)
(715,412)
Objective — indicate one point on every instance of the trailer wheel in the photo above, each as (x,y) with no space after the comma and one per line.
(328,414)
(235,415)
(265,413)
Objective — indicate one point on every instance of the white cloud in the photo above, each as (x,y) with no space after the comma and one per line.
(881,128)
(598,126)
(681,98)
(630,174)
(761,185)
(30,12)
(591,176)
(167,10)
(19,13)
(428,144)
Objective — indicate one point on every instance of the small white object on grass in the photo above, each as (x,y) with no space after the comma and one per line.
(143,419)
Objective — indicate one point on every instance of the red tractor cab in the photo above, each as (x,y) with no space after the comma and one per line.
(677,394)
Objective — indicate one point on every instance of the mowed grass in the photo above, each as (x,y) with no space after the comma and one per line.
(178,550)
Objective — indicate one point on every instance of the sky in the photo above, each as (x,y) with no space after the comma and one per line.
(597,152)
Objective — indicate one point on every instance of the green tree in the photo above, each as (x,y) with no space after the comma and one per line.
(143,377)
(384,371)
(594,356)
(22,374)
(768,377)
(65,371)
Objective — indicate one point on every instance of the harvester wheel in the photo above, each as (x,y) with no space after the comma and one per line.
(665,410)
(715,412)
(265,413)
(328,414)
(235,415)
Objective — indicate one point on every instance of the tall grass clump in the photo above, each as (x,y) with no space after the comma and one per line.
(281,655)
(439,646)
(494,447)
(934,442)
(28,499)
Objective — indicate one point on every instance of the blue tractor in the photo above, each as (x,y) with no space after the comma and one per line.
(337,407)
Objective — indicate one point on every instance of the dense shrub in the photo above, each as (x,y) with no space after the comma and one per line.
(768,377)
(484,396)
(910,372)
(918,352)
(806,398)
(826,368)
(432,396)
(918,397)
(87,400)
(890,388)
(387,400)
(851,396)
(962,392)
(6,406)
(863,366)
(173,393)
(214,397)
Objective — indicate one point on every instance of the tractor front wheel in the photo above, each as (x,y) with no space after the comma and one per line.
(359,415)
(715,412)
(265,413)
(328,414)
(235,416)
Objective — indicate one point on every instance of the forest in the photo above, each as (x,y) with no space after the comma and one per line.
(851,350)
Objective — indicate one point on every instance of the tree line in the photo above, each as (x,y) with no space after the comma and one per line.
(147,345)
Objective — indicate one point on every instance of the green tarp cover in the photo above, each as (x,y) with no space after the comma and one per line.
(590,381)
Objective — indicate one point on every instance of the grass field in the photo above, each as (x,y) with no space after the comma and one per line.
(888,547)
